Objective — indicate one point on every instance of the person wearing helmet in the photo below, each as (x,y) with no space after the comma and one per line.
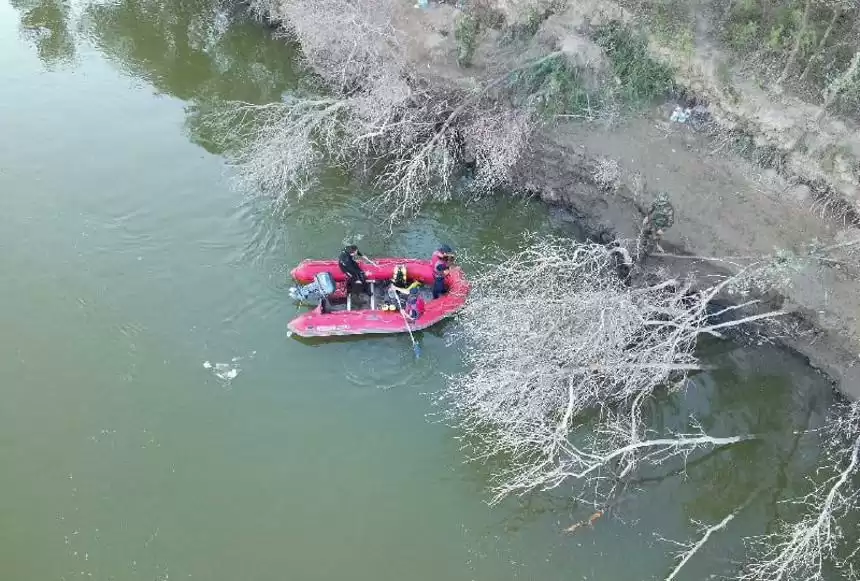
(399,284)
(351,269)
(400,279)
(440,272)
(442,254)
(661,214)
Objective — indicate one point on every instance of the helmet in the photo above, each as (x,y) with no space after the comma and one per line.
(445,249)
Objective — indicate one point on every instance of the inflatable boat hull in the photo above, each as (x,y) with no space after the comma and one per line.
(361,321)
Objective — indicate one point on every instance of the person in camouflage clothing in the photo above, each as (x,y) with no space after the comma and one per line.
(661,216)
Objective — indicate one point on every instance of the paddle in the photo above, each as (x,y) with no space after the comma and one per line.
(415,346)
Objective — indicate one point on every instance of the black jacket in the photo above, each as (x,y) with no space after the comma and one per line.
(348,264)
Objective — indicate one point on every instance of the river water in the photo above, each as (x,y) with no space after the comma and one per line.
(131,269)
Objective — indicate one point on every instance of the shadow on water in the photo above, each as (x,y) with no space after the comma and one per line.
(194,50)
(211,52)
(438,331)
(203,52)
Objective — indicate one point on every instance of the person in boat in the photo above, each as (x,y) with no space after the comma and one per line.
(414,306)
(399,283)
(442,254)
(349,266)
(440,272)
(440,262)
(400,280)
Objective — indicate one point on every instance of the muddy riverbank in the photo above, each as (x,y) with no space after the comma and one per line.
(726,209)
(556,100)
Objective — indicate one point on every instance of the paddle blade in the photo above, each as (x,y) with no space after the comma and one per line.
(417,349)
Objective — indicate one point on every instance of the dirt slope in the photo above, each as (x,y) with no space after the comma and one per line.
(725,207)
(813,147)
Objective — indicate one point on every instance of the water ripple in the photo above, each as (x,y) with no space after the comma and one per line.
(390,368)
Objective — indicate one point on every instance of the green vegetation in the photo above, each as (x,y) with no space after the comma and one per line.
(757,24)
(520,31)
(806,45)
(842,94)
(641,79)
(742,142)
(466,33)
(556,87)
(559,87)
(743,36)
(673,23)
(45,23)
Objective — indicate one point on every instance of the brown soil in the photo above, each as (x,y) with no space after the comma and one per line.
(816,148)
(725,207)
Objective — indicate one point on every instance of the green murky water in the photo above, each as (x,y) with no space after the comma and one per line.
(128,262)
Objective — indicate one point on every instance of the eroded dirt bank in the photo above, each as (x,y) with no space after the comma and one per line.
(547,97)
(725,208)
(794,188)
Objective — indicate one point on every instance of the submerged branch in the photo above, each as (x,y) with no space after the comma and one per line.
(801,549)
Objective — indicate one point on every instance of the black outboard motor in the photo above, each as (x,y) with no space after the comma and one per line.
(314,292)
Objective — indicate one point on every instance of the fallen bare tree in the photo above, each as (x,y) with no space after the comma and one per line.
(413,149)
(379,117)
(385,108)
(280,145)
(350,45)
(564,358)
(762,273)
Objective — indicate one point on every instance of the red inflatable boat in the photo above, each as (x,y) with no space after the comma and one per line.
(367,316)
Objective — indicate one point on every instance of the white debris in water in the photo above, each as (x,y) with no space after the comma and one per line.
(227,372)
(223,371)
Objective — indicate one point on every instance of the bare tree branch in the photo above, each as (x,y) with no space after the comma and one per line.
(707,532)
(383,118)
(800,550)
(565,399)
